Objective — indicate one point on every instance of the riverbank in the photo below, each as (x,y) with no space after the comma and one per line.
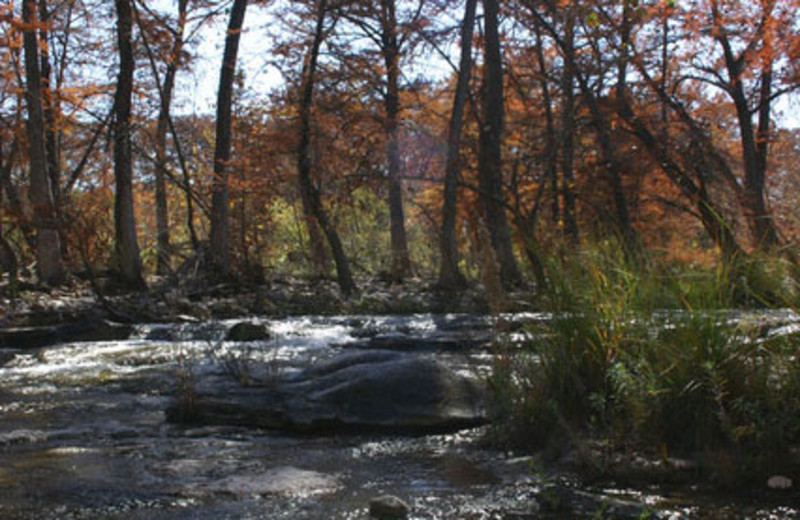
(164,302)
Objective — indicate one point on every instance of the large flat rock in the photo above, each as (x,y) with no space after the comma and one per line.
(369,390)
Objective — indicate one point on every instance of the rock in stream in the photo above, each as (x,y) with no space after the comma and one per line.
(367,390)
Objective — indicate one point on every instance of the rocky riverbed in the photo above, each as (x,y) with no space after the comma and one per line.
(86,429)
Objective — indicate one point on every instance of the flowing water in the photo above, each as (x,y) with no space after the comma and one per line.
(83,435)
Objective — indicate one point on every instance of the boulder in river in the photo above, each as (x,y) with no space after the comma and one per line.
(247,331)
(388,507)
(370,390)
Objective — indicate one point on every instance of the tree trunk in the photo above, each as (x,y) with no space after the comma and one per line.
(220,225)
(710,216)
(49,104)
(320,260)
(401,260)
(309,192)
(755,146)
(449,275)
(162,213)
(8,257)
(48,250)
(551,153)
(10,194)
(567,132)
(612,165)
(52,111)
(490,142)
(128,262)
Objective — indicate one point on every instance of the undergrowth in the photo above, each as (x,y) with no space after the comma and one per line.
(653,362)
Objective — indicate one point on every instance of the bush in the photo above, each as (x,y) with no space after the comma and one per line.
(614,367)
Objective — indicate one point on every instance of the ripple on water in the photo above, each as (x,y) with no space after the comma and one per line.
(286,480)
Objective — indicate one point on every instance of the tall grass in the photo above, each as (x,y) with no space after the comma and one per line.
(652,364)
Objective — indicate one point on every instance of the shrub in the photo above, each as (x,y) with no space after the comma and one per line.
(615,368)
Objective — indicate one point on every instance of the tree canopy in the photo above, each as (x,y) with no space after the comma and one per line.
(404,138)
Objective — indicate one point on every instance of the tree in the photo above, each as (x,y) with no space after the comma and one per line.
(309,192)
(128,261)
(449,275)
(490,167)
(390,49)
(759,54)
(50,104)
(165,98)
(48,250)
(378,21)
(220,226)
(568,130)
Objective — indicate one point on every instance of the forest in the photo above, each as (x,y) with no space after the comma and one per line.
(664,127)
(588,206)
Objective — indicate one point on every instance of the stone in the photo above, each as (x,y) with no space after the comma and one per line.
(388,507)
(7,355)
(356,391)
(247,331)
(85,330)
(22,437)
(576,503)
(779,482)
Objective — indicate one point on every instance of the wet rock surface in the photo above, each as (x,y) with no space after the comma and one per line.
(247,331)
(373,390)
(87,328)
(388,507)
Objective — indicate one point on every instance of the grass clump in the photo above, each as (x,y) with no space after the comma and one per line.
(656,366)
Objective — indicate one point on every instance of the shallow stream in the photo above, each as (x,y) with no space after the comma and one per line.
(83,435)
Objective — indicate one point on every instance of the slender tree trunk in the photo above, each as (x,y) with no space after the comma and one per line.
(309,192)
(755,146)
(320,260)
(401,260)
(551,154)
(52,114)
(490,142)
(613,164)
(10,194)
(162,211)
(8,257)
(220,221)
(449,275)
(567,132)
(49,103)
(165,119)
(48,250)
(128,262)
(664,80)
(613,170)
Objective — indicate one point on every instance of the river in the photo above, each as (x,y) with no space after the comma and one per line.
(83,435)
